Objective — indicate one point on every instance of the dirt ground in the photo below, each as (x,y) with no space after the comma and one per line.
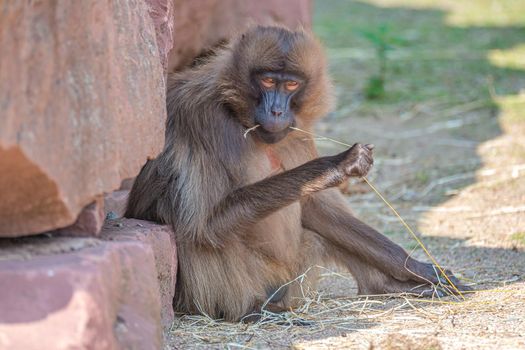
(450,156)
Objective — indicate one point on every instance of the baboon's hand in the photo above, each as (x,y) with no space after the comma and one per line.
(357,160)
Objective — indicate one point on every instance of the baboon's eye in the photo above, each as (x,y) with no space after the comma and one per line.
(268,82)
(291,85)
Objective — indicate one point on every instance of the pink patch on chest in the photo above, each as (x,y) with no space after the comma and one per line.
(273,158)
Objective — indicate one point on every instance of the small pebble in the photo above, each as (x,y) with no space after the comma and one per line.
(111,215)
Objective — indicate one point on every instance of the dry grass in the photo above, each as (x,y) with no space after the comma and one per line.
(323,316)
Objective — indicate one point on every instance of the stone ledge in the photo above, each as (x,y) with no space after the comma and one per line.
(161,239)
(109,293)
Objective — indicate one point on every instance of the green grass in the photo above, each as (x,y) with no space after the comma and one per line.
(454,53)
(422,176)
(518,237)
(513,108)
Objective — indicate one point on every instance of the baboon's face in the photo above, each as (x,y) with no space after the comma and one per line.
(275,103)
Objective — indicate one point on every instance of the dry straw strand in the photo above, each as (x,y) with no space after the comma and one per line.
(405,224)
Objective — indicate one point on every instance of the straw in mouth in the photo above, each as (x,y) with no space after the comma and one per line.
(250,129)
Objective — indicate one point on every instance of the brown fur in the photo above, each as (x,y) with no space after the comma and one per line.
(243,227)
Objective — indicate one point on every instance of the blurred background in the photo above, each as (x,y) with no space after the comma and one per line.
(440,89)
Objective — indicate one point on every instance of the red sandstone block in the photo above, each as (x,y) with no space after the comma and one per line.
(198,25)
(89,221)
(161,239)
(116,202)
(82,94)
(101,297)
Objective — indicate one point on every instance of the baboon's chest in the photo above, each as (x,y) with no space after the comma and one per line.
(279,234)
(265,163)
(274,160)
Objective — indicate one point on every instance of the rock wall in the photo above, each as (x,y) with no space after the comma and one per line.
(202,24)
(82,106)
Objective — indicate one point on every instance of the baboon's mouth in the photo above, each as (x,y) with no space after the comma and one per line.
(271,136)
(274,125)
(268,136)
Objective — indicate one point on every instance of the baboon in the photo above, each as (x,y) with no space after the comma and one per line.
(251,212)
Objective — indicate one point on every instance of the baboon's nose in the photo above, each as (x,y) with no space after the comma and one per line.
(276,113)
